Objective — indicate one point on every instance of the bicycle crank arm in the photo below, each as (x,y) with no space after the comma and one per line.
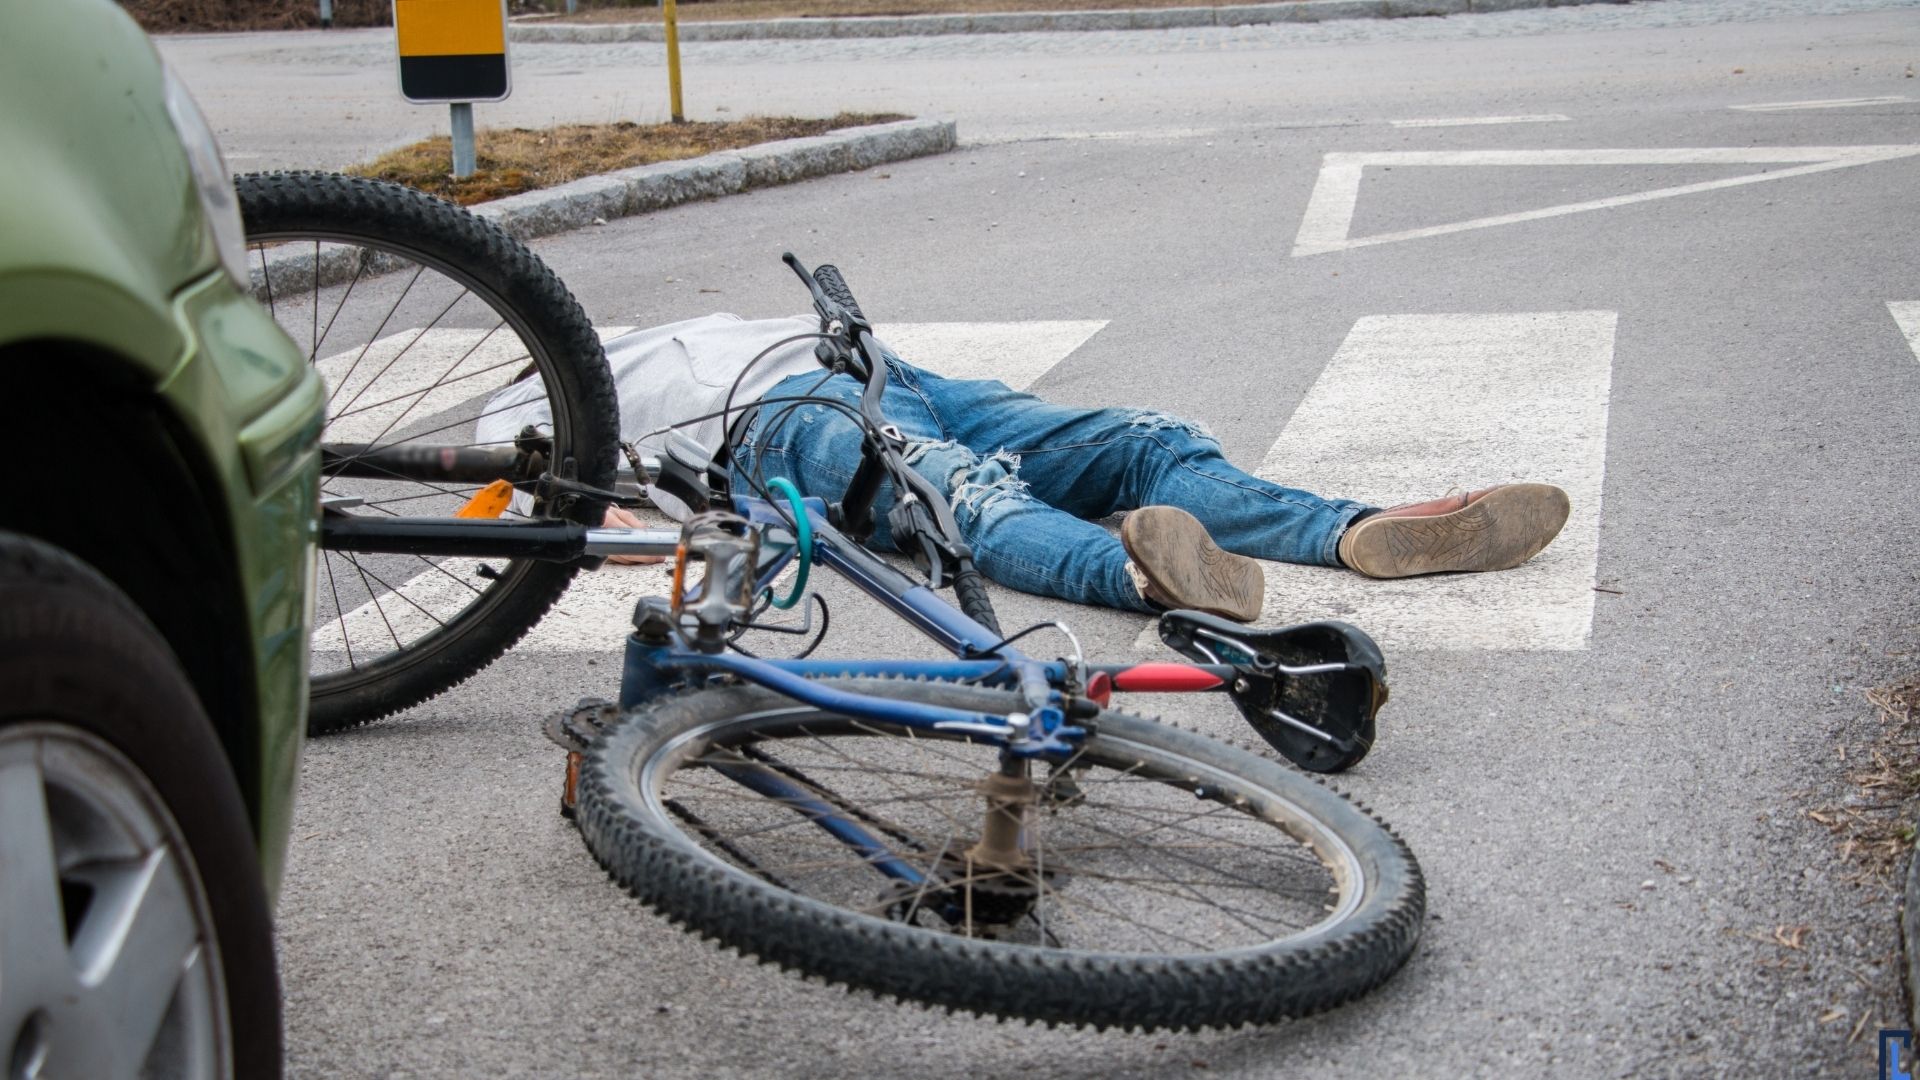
(548,541)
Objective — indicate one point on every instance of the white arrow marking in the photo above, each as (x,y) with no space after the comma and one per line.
(1330,209)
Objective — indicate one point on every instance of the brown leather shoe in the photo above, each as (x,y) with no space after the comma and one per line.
(1496,528)
(1177,565)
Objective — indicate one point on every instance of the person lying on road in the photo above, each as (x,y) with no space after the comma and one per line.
(1028,479)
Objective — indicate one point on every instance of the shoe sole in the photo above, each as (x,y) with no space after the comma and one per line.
(1186,569)
(1499,531)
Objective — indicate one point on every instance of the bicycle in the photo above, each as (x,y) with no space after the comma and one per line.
(985,833)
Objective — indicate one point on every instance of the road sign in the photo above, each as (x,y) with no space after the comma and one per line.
(452,50)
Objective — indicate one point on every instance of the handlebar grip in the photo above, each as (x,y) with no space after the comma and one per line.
(836,289)
(971,591)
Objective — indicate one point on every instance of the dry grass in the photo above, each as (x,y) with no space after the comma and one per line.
(512,160)
(722,10)
(1875,827)
(179,16)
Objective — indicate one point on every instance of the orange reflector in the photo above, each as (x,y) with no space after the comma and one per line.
(489,502)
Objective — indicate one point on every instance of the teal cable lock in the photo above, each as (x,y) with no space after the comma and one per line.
(803,537)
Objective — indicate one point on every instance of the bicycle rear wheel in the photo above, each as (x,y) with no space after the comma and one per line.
(433,329)
(1161,880)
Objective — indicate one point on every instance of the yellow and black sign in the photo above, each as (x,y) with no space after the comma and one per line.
(452,50)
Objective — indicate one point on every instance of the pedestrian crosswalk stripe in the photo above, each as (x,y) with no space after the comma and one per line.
(413,374)
(1328,219)
(1412,405)
(1016,353)
(594,614)
(1907,314)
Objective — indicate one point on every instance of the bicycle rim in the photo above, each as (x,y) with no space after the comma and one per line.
(414,349)
(1160,880)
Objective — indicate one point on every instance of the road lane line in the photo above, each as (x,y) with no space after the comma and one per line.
(1907,314)
(1413,405)
(1822,103)
(1325,225)
(595,613)
(1464,121)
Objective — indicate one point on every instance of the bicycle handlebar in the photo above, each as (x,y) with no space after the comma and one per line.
(936,532)
(835,287)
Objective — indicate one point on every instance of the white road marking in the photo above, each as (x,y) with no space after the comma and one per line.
(1161,135)
(595,613)
(1016,353)
(414,373)
(1907,314)
(1412,405)
(1464,121)
(1329,215)
(1822,103)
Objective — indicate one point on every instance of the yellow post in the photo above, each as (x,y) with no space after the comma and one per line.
(673,60)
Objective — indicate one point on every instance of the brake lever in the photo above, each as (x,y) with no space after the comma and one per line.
(823,304)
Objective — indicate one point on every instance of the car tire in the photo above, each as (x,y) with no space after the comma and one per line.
(130,886)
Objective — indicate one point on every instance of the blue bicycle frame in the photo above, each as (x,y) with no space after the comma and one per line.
(664,665)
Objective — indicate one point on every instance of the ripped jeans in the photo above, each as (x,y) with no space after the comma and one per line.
(1028,479)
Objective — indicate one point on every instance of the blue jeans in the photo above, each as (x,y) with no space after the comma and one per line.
(1026,478)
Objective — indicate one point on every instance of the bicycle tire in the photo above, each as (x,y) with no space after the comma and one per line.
(361,231)
(663,835)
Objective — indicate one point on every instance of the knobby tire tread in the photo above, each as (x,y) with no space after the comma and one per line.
(479,254)
(651,859)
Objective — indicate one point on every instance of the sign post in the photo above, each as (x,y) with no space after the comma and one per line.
(453,51)
(669,15)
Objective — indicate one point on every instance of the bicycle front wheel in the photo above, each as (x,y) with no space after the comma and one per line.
(434,331)
(1156,880)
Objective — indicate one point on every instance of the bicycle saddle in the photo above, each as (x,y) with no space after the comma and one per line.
(1311,691)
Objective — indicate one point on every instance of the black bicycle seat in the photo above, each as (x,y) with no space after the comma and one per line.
(1312,690)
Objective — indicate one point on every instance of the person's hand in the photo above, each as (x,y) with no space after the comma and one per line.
(622,518)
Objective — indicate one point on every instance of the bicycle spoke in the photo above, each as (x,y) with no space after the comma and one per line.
(443,383)
(376,599)
(340,613)
(379,332)
(396,359)
(1182,858)
(313,339)
(393,592)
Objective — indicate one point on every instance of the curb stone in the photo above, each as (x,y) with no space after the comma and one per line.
(1910,943)
(1021,22)
(602,198)
(669,183)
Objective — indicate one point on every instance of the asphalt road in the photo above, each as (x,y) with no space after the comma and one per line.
(1608,794)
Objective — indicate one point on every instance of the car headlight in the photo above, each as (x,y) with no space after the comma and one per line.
(218,204)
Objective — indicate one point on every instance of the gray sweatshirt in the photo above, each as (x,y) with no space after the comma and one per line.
(668,374)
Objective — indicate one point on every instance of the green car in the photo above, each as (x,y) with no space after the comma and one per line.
(155,572)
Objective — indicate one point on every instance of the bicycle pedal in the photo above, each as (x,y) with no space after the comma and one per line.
(572,730)
(489,502)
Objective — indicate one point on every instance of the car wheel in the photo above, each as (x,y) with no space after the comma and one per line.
(135,937)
